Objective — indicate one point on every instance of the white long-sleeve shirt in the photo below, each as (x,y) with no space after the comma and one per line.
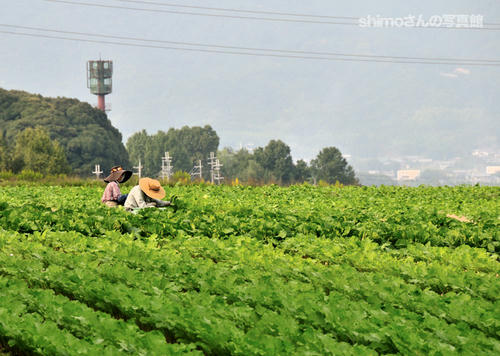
(137,199)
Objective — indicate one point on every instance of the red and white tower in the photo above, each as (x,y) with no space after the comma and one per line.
(99,81)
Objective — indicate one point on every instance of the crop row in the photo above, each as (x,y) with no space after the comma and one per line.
(397,217)
(85,330)
(463,269)
(161,267)
(421,279)
(189,316)
(358,307)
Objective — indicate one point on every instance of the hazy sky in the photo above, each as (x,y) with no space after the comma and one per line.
(248,100)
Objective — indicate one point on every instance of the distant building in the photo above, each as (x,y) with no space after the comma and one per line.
(408,174)
(479,153)
(492,170)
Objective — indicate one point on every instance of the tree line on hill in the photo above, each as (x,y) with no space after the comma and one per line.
(33,150)
(84,133)
(60,135)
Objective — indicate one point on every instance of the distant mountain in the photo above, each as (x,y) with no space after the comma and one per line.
(85,133)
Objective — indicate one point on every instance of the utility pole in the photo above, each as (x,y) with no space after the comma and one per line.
(97,171)
(200,167)
(139,169)
(197,171)
(166,166)
(211,163)
(216,174)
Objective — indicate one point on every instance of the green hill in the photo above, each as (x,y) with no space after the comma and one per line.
(85,133)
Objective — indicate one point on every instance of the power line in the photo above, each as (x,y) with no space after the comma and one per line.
(199,13)
(293,14)
(240,10)
(314,53)
(244,53)
(255,11)
(89,4)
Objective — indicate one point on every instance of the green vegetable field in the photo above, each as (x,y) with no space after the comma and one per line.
(252,271)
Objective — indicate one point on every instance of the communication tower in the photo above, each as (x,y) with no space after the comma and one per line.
(99,80)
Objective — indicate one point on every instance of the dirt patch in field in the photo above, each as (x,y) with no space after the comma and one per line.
(459,218)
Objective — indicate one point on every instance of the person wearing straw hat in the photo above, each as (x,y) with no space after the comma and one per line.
(112,195)
(147,194)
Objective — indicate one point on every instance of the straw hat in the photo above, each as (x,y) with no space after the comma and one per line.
(118,174)
(152,188)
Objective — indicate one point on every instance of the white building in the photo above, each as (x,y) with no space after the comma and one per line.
(408,174)
(490,170)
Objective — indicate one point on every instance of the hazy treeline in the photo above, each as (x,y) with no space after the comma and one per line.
(65,136)
(186,145)
(84,133)
(270,164)
(274,164)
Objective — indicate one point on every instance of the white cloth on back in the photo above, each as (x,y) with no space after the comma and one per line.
(137,199)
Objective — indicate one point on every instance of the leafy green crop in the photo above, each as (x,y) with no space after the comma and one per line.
(252,271)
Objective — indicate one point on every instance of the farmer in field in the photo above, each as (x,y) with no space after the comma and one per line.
(147,194)
(112,195)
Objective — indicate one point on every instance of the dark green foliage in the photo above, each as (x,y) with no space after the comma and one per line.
(277,160)
(35,151)
(273,164)
(270,164)
(85,133)
(242,165)
(4,153)
(138,146)
(302,171)
(186,145)
(331,167)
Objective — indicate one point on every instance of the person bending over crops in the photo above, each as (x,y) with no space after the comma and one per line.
(112,195)
(147,194)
